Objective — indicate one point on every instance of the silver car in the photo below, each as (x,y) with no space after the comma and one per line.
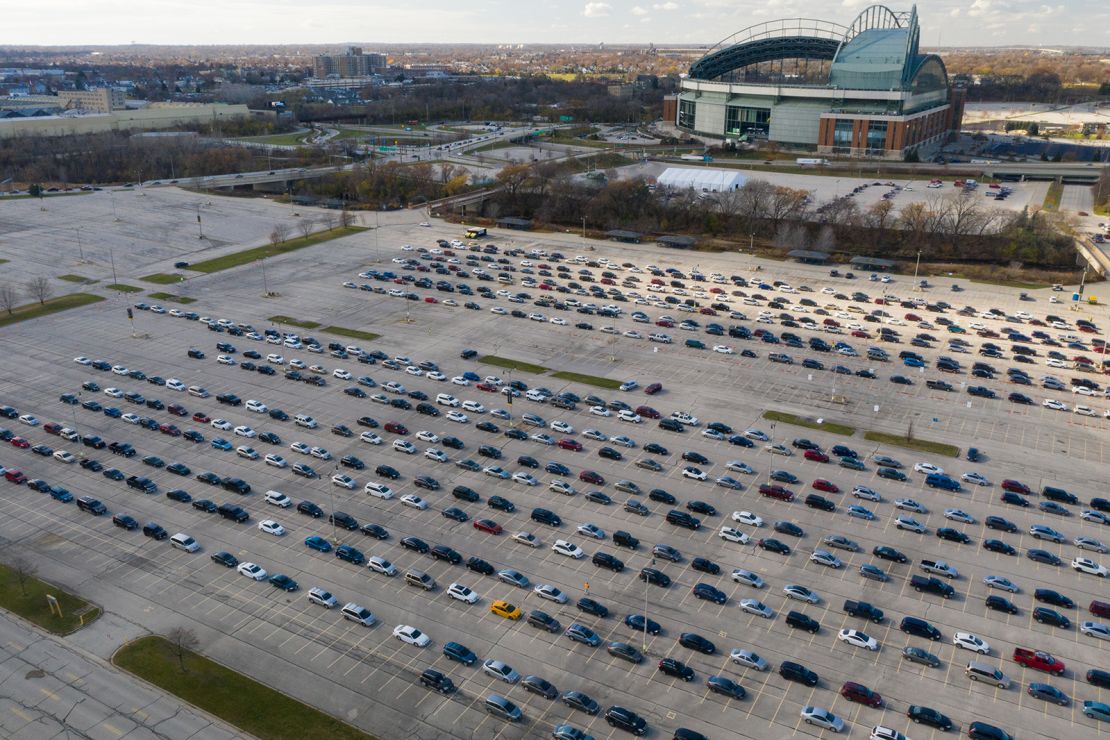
(756,607)
(748,659)
(501,670)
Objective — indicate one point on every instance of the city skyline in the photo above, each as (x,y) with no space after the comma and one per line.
(703,22)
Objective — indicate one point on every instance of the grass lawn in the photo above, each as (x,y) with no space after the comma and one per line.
(607,383)
(921,445)
(54,305)
(172,297)
(4,262)
(526,367)
(237,699)
(299,323)
(802,421)
(1052,197)
(76,279)
(236,259)
(163,278)
(366,336)
(123,288)
(33,606)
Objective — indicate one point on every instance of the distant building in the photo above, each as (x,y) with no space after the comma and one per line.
(352,63)
(150,117)
(100,100)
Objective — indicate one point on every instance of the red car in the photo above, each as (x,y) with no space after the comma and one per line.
(20,443)
(488,525)
(823,485)
(861,334)
(545,286)
(707,311)
(912,317)
(15,476)
(52,427)
(647,412)
(716,290)
(430,299)
(170,429)
(1086,328)
(570,444)
(589,476)
(816,456)
(1015,486)
(773,491)
(486,387)
(654,388)
(202,417)
(665,324)
(177,409)
(395,428)
(860,694)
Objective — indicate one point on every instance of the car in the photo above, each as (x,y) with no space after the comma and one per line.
(825,558)
(858,639)
(1095,629)
(676,668)
(252,571)
(513,578)
(823,718)
(568,549)
(625,719)
(1038,555)
(800,593)
(580,633)
(318,543)
(928,716)
(1047,692)
(1003,584)
(269,526)
(459,592)
(974,643)
(1096,710)
(412,636)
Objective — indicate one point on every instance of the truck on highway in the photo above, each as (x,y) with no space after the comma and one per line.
(1039,660)
(810,162)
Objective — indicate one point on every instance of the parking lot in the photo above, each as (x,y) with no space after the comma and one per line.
(368,677)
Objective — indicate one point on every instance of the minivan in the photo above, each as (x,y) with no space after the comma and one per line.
(979,671)
(499,706)
(419,578)
(198,391)
(355,613)
(1100,608)
(182,541)
(919,627)
(304,420)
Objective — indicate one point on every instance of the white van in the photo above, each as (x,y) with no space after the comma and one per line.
(304,420)
(198,391)
(184,542)
(355,613)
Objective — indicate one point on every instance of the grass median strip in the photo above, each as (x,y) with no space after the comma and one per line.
(511,364)
(163,278)
(366,336)
(29,600)
(123,288)
(607,383)
(233,697)
(802,421)
(54,305)
(235,259)
(70,278)
(172,297)
(912,443)
(299,323)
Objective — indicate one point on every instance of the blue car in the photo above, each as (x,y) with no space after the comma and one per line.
(461,653)
(284,582)
(318,543)
(113,412)
(1097,710)
(60,494)
(913,362)
(221,444)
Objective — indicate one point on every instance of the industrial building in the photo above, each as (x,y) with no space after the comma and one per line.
(352,63)
(859,90)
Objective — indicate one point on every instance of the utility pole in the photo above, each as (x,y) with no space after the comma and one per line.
(265,285)
(80,248)
(200,225)
(916,267)
(112,257)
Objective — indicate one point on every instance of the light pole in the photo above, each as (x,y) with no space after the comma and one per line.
(916,267)
(265,284)
(645,609)
(112,258)
(331,497)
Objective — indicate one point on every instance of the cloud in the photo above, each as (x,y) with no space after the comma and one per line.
(597,10)
(665,6)
(637,10)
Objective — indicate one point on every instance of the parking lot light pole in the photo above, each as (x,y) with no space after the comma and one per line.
(916,267)
(331,496)
(645,609)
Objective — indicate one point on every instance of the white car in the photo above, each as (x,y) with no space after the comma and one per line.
(568,549)
(378,564)
(630,416)
(971,642)
(1052,403)
(975,478)
(378,490)
(1086,565)
(562,427)
(320,453)
(600,411)
(413,501)
(298,364)
(800,593)
(403,445)
(928,469)
(275,460)
(460,380)
(457,416)
(341,374)
(474,407)
(269,526)
(343,480)
(411,635)
(225,360)
(526,538)
(82,360)
(245,431)
(591,530)
(825,558)
(256,406)
(693,473)
(756,607)
(1095,629)
(732,534)
(1083,390)
(252,571)
(858,639)
(424,436)
(747,577)
(221,424)
(723,349)
(120,370)
(65,457)
(370,438)
(462,593)
(746,517)
(685,418)
(1084,410)
(131,418)
(434,453)
(113,392)
(275,359)
(550,593)
(959,515)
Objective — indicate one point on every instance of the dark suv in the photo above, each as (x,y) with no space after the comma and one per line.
(676,668)
(626,720)
(797,672)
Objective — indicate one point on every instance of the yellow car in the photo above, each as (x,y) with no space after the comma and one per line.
(504,609)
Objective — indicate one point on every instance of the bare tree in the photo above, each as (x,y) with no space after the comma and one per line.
(331,220)
(346,218)
(24,571)
(279,234)
(9,296)
(305,226)
(826,239)
(39,288)
(183,641)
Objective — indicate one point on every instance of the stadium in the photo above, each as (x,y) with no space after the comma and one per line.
(860,90)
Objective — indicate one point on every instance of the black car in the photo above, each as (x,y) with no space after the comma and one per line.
(725,686)
(694,641)
(605,560)
(999,546)
(426,482)
(387,471)
(203,504)
(1048,596)
(454,512)
(210,478)
(790,528)
(225,559)
(478,565)
(773,545)
(889,553)
(676,668)
(1000,523)
(544,516)
(1044,615)
(310,509)
(658,494)
(114,474)
(695,457)
(1000,604)
(415,543)
(1043,556)
(178,495)
(609,453)
(626,719)
(701,507)
(928,716)
(655,577)
(656,449)
(705,565)
(591,606)
(501,504)
(343,520)
(707,592)
(952,535)
(443,552)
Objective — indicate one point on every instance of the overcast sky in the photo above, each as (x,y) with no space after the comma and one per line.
(943,22)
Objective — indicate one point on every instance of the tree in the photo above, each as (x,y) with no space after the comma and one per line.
(279,234)
(183,641)
(346,218)
(35,190)
(24,571)
(305,226)
(39,289)
(9,296)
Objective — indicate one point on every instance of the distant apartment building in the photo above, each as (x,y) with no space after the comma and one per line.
(353,63)
(100,100)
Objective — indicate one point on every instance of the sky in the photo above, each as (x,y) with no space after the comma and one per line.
(104,22)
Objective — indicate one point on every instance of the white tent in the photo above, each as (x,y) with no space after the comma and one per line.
(701,179)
